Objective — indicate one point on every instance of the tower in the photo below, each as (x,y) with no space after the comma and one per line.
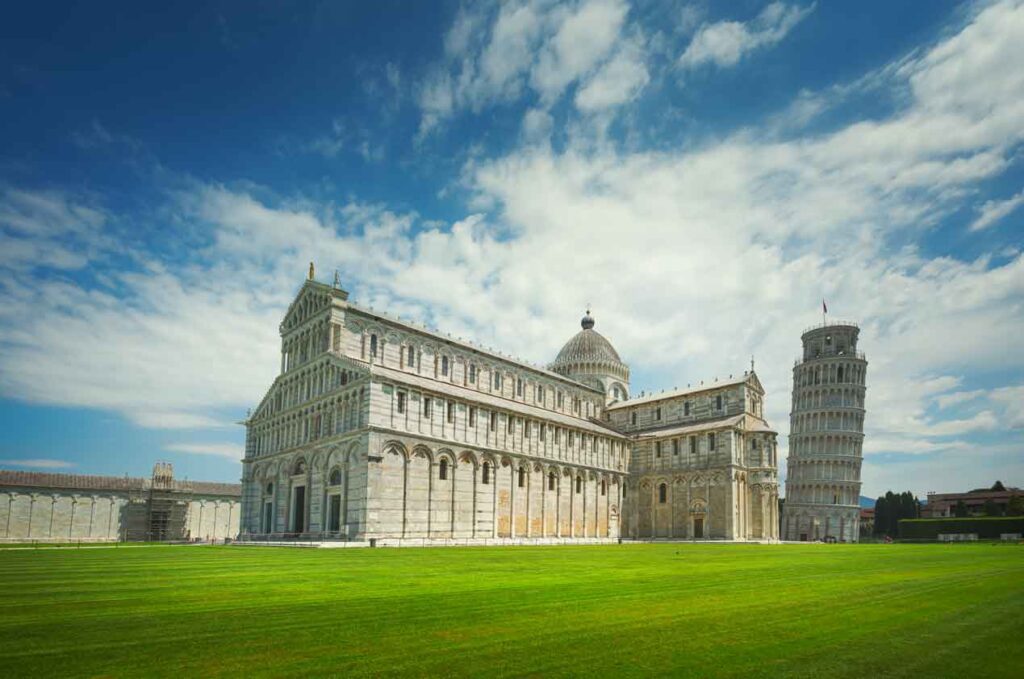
(826,436)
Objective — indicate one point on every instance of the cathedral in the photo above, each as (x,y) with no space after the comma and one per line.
(380,430)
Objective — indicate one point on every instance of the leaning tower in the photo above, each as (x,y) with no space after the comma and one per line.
(826,436)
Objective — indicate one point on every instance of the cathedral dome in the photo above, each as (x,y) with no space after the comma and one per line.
(587,346)
(591,359)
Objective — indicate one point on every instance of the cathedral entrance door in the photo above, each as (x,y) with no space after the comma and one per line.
(698,528)
(334,522)
(299,510)
(268,517)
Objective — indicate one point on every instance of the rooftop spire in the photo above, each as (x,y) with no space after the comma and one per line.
(311,271)
(588,320)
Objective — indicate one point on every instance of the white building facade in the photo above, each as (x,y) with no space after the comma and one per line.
(826,437)
(379,429)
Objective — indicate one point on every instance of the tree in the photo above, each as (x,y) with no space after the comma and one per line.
(998,486)
(880,516)
(1015,506)
(991,508)
(960,511)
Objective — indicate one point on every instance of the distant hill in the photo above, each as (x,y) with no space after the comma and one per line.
(867,502)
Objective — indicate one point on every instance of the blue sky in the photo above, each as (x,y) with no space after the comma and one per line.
(702,173)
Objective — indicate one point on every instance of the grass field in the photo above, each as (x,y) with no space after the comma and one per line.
(729,610)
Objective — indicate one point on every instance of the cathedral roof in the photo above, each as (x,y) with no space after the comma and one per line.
(586,346)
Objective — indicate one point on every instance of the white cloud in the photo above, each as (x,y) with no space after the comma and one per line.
(38,463)
(619,80)
(724,43)
(994,210)
(229,450)
(534,48)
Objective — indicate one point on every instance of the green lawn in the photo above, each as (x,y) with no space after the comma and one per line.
(728,610)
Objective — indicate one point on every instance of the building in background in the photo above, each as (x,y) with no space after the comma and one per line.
(52,507)
(977,502)
(380,429)
(826,436)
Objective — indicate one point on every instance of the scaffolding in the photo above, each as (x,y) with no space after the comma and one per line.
(157,509)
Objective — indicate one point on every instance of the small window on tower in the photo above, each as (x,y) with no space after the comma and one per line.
(657,413)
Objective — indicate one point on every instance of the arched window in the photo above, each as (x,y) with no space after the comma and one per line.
(579,484)
(444,365)
(486,474)
(603,487)
(335,479)
(472,374)
(270,489)
(411,361)
(551,481)
(633,417)
(442,469)
(522,477)
(662,493)
(373,346)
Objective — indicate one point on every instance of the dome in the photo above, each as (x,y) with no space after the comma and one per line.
(586,346)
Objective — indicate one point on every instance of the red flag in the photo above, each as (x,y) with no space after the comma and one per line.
(824,307)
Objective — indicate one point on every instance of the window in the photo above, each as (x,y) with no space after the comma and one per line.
(497,380)
(543,430)
(527,426)
(522,477)
(603,486)
(662,493)
(485,476)
(657,413)
(494,421)
(444,365)
(583,442)
(558,436)
(693,446)
(472,417)
(472,374)
(442,469)
(569,437)
(540,394)
(401,401)
(559,399)
(711,441)
(686,409)
(579,484)
(426,407)
(551,481)
(451,412)
(675,446)
(657,449)
(718,402)
(519,386)
(270,489)
(633,417)
(411,361)
(373,346)
(511,424)
(839,374)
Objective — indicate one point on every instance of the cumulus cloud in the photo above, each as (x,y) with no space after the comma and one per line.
(724,43)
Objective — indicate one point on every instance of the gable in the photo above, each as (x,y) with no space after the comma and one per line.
(312,299)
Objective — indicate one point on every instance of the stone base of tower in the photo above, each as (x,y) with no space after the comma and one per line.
(809,523)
